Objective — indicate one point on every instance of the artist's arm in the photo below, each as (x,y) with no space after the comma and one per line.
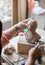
(11,32)
(34,54)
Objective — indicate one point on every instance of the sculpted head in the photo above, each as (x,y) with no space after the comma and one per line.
(32,25)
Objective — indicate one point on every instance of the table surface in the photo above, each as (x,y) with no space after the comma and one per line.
(17,57)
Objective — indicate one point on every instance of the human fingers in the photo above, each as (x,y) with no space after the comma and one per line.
(37,49)
(24,24)
(36,46)
(26,20)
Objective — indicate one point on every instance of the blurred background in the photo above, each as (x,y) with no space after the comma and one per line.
(13,11)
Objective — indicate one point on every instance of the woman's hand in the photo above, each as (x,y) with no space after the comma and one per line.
(23,24)
(35,52)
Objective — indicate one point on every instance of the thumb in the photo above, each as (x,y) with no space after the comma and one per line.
(36,47)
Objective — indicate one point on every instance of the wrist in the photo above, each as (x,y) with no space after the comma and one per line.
(32,62)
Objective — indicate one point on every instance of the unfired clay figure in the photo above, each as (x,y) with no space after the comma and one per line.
(31,35)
